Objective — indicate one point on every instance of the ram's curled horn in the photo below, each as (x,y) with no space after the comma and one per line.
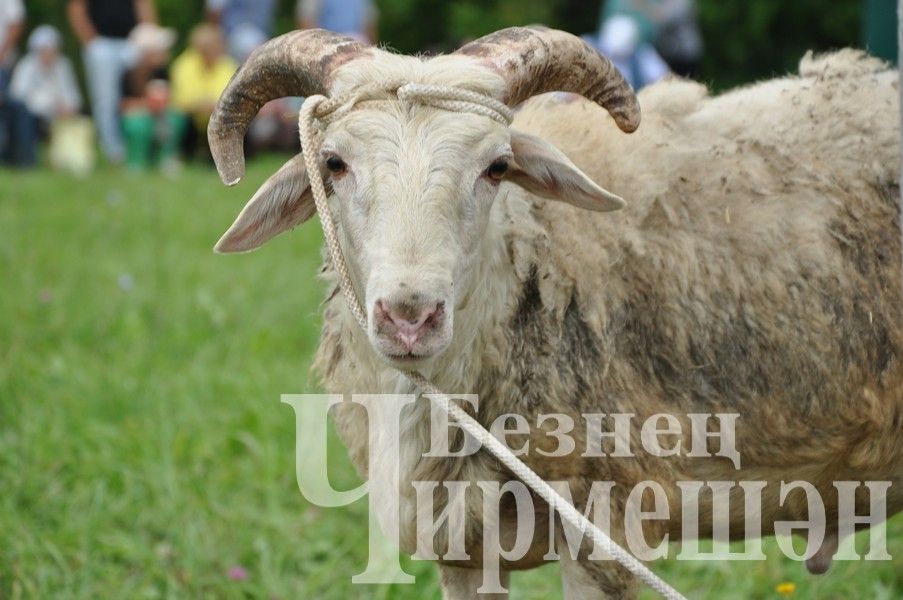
(535,60)
(300,63)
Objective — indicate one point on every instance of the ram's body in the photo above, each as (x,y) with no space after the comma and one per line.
(756,270)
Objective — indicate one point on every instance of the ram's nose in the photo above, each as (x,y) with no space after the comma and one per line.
(408,321)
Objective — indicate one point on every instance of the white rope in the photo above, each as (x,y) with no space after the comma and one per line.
(320,108)
(456,100)
(900,80)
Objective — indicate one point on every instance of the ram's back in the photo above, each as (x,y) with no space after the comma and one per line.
(755,270)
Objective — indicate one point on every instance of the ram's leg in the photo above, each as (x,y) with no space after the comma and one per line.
(595,580)
(583,578)
(462,584)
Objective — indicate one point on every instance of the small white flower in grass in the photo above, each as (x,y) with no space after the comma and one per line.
(126,282)
(164,550)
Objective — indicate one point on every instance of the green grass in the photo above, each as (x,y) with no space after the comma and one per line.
(144,450)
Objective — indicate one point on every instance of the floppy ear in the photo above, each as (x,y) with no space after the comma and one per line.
(282,202)
(544,170)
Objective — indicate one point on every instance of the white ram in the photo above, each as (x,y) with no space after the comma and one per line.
(755,269)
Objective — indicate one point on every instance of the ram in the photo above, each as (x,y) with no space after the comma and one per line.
(754,269)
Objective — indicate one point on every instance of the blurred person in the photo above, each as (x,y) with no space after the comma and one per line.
(231,14)
(199,76)
(44,83)
(670,26)
(641,11)
(44,80)
(153,128)
(679,40)
(243,40)
(621,40)
(14,120)
(103,27)
(354,18)
(12,20)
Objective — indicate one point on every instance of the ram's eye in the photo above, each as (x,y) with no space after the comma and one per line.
(335,165)
(497,169)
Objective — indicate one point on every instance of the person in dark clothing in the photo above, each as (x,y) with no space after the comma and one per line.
(153,128)
(16,146)
(103,27)
(670,26)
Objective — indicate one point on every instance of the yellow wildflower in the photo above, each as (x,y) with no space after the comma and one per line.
(786,588)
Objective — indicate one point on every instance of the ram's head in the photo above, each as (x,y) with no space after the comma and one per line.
(413,185)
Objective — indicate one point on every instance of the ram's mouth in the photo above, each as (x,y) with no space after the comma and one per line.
(410,357)
(403,358)
(403,343)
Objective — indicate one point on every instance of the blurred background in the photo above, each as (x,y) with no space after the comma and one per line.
(144,451)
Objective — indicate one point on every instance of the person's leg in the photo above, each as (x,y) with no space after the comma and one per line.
(5,135)
(24,135)
(173,133)
(191,141)
(138,127)
(202,149)
(18,134)
(5,119)
(105,62)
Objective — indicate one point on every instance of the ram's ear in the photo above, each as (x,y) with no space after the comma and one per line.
(281,203)
(541,168)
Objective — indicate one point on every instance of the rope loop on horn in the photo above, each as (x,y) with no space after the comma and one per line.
(317,112)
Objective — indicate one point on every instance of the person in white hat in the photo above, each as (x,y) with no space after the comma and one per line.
(44,79)
(150,38)
(44,84)
(153,128)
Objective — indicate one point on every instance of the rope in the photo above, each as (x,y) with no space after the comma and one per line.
(324,110)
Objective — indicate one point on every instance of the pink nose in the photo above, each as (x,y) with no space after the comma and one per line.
(407,322)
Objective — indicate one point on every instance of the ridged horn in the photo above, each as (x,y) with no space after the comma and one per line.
(300,63)
(535,60)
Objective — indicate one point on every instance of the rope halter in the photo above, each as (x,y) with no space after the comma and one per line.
(442,97)
(319,111)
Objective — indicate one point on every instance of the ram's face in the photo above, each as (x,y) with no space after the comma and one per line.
(413,191)
(412,185)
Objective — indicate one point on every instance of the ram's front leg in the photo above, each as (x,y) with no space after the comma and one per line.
(596,578)
(462,584)
(583,579)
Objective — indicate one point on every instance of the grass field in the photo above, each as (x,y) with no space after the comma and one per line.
(144,451)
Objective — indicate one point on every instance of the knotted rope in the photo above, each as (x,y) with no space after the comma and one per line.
(316,113)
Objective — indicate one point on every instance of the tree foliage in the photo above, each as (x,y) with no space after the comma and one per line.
(752,40)
(745,40)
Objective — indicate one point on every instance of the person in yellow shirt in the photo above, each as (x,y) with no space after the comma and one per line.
(199,75)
